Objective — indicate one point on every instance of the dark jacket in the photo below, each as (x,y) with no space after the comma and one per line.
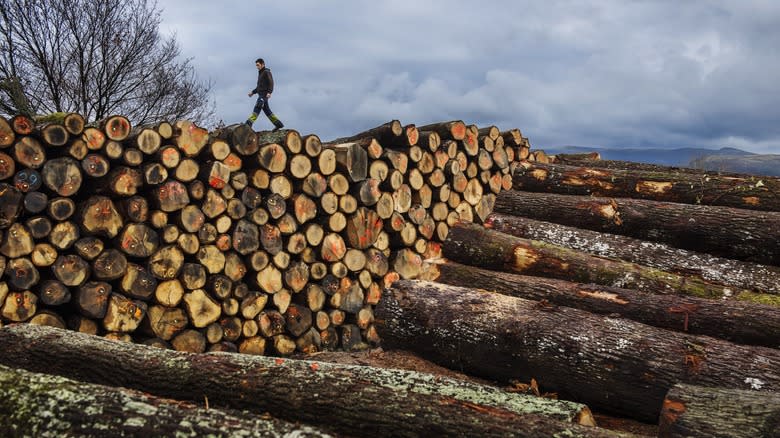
(265,82)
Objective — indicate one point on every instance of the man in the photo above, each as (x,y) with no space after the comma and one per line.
(264,88)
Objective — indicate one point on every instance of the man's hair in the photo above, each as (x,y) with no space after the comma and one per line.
(260,60)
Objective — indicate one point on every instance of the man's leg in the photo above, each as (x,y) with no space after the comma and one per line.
(256,110)
(272,117)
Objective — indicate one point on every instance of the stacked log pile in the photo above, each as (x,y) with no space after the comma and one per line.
(232,240)
(639,290)
(612,283)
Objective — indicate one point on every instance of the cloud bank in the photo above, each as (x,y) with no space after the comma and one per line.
(609,73)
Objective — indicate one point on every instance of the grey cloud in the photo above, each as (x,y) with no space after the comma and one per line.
(610,73)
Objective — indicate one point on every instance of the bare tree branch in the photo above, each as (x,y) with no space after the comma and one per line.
(97,58)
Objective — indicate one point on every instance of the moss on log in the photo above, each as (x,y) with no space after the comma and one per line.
(41,405)
(735,321)
(352,400)
(477,246)
(741,275)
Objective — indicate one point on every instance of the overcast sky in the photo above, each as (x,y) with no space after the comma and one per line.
(610,73)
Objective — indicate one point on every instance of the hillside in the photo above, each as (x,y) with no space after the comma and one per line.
(768,164)
(679,157)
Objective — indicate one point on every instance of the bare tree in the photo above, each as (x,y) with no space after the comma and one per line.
(97,58)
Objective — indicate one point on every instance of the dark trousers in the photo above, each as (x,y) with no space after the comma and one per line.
(262,105)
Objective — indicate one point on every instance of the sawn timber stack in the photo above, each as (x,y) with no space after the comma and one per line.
(231,240)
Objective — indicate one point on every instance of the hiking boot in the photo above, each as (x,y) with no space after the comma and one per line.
(278,127)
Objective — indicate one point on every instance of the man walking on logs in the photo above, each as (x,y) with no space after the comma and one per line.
(264,88)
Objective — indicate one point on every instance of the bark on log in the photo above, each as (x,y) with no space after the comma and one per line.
(760,278)
(612,364)
(472,244)
(690,410)
(350,399)
(383,133)
(746,191)
(722,231)
(738,322)
(586,161)
(35,404)
(584,158)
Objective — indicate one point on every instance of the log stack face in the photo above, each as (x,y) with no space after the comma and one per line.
(232,240)
(270,243)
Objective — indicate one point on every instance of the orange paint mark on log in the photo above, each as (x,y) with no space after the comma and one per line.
(653,187)
(458,131)
(279,361)
(232,161)
(315,366)
(671,410)
(751,200)
(412,134)
(217,182)
(525,257)
(602,295)
(390,278)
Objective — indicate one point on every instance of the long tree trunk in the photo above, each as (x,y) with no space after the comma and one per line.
(726,232)
(690,410)
(593,159)
(478,246)
(751,192)
(738,322)
(353,400)
(760,278)
(612,364)
(33,404)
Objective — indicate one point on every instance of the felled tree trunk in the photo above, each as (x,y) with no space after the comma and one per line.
(612,364)
(747,191)
(760,278)
(727,232)
(739,322)
(477,246)
(353,400)
(690,410)
(593,159)
(33,404)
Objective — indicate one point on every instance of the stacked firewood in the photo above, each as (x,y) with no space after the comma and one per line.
(232,240)
(640,290)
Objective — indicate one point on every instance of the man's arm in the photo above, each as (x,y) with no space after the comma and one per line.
(270,83)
